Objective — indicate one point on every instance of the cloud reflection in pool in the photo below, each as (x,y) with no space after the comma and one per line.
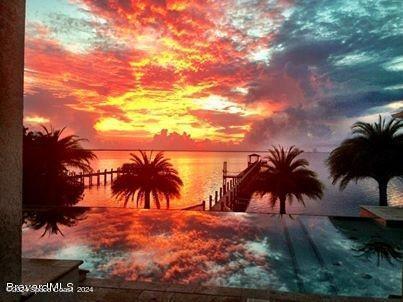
(222,249)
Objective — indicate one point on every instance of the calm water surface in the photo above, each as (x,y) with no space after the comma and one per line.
(201,173)
(313,254)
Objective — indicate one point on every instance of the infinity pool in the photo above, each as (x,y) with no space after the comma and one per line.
(314,254)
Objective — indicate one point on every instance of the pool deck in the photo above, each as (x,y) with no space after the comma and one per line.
(387,216)
(42,271)
(117,291)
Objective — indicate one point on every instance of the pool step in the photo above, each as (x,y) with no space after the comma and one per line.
(312,268)
(294,262)
(44,271)
(82,274)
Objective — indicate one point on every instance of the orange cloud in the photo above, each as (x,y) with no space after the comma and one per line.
(188,64)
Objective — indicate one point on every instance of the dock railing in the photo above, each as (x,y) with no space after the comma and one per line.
(224,198)
(96,178)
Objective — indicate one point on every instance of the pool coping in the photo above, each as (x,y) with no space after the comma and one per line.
(38,271)
(387,216)
(45,208)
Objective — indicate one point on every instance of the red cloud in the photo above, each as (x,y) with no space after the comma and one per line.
(98,73)
(152,48)
(222,119)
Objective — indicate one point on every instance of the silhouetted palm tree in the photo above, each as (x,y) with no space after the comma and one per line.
(147,177)
(288,177)
(375,150)
(59,153)
(47,157)
(50,219)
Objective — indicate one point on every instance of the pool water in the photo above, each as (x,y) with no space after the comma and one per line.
(300,253)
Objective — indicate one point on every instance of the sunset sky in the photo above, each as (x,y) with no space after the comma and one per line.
(211,75)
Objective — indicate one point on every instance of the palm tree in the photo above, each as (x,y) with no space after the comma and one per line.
(375,150)
(51,219)
(287,177)
(147,176)
(58,153)
(47,157)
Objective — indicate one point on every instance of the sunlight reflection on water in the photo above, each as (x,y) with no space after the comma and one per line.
(201,173)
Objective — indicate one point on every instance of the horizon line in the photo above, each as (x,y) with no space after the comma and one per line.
(188,150)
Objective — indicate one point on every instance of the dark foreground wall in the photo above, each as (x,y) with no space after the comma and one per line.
(12,19)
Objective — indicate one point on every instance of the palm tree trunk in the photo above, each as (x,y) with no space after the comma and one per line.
(147,204)
(383,193)
(282,204)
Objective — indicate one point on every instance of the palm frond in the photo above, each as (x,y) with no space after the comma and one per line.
(287,177)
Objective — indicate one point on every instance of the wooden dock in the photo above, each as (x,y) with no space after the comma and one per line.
(97,178)
(226,198)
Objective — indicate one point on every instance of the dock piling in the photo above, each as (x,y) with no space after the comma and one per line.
(98,178)
(226,203)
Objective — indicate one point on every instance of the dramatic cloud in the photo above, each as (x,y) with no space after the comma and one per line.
(211,74)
